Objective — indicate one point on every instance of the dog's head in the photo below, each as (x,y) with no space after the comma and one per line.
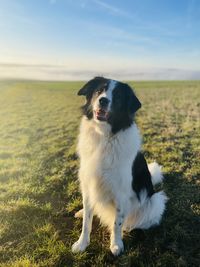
(109,101)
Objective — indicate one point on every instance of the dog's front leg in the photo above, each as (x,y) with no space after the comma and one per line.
(84,238)
(116,243)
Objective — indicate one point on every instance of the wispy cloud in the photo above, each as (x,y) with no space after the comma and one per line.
(146,25)
(111,34)
(112,9)
(118,36)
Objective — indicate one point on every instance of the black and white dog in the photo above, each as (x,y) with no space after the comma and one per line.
(116,182)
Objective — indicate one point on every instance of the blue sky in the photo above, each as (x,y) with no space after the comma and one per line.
(76,39)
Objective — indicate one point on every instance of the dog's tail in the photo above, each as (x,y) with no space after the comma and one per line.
(156,173)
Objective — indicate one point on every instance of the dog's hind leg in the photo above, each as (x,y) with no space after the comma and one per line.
(148,214)
(151,212)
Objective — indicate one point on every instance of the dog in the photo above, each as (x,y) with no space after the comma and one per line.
(115,180)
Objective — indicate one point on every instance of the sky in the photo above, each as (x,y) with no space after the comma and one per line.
(79,39)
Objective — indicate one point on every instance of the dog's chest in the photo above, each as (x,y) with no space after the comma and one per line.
(106,160)
(103,157)
(105,169)
(103,149)
(100,154)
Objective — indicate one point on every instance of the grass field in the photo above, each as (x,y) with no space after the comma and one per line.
(38,176)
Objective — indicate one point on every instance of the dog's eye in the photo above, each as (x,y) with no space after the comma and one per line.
(99,91)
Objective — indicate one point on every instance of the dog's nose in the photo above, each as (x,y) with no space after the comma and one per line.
(103,101)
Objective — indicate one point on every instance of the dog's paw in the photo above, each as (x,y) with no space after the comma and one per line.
(79,214)
(79,246)
(117,248)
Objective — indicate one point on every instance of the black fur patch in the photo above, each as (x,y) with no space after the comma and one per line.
(141,176)
(124,106)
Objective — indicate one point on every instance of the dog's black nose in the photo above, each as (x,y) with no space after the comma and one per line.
(103,101)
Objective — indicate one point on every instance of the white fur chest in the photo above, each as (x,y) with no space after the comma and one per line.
(106,159)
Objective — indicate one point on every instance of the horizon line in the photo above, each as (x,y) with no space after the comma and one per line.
(53,72)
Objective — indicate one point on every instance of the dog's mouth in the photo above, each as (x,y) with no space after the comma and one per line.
(101,114)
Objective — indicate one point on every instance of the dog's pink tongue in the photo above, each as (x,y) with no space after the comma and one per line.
(101,114)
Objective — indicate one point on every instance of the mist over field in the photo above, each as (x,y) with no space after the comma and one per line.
(62,73)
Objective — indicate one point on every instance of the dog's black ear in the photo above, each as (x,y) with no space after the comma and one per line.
(90,86)
(134,103)
(86,88)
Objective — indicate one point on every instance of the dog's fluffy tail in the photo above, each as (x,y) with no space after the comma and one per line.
(156,173)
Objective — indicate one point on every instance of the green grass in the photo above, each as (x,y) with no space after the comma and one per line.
(39,192)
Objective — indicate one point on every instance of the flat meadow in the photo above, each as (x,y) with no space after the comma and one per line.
(39,192)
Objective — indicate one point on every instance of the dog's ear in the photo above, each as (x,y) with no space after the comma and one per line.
(133,103)
(86,88)
(90,86)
